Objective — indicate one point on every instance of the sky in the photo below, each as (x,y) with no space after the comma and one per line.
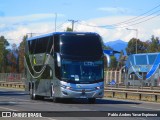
(109,18)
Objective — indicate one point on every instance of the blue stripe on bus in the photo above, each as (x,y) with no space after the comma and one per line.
(154,67)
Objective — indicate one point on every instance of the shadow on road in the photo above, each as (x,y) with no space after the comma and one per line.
(70,101)
(98,101)
(12,93)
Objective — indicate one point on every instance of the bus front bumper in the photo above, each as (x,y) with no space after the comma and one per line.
(83,93)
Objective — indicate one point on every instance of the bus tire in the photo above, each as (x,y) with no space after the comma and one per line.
(33,96)
(92,100)
(55,99)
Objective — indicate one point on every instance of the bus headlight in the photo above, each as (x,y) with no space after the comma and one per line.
(98,87)
(69,88)
(66,87)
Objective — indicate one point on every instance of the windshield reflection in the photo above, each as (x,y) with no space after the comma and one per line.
(82,71)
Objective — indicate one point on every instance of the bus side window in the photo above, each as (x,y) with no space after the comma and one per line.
(56,43)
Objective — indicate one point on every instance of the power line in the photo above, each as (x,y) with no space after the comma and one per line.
(59,26)
(137,16)
(133,21)
(145,20)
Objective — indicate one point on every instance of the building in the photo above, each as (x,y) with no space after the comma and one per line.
(143,69)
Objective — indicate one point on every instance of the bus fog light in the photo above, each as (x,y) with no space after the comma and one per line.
(66,87)
(69,88)
(98,88)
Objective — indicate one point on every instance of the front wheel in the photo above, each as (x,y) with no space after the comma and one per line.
(56,100)
(92,100)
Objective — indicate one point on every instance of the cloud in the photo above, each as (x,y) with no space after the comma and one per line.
(16,27)
(156,32)
(145,30)
(113,10)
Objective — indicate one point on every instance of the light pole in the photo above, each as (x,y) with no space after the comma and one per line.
(136,30)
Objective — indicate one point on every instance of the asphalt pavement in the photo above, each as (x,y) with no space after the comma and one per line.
(17,100)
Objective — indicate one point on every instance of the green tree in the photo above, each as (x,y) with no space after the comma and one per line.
(114,62)
(69,29)
(3,53)
(121,59)
(21,53)
(141,46)
(154,45)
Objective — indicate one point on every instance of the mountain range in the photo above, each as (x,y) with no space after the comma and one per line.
(118,45)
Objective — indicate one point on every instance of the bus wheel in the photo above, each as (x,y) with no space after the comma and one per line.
(92,100)
(56,100)
(33,96)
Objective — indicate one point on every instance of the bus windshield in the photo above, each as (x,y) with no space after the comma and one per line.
(82,72)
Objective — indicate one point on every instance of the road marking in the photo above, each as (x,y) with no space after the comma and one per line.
(145,108)
(49,118)
(8,109)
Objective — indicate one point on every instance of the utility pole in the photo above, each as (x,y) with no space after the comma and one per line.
(73,21)
(31,34)
(55,22)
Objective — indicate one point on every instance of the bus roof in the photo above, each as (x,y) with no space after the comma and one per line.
(60,33)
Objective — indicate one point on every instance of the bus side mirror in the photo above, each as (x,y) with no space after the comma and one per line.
(108,60)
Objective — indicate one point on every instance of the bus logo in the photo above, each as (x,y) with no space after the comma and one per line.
(78,86)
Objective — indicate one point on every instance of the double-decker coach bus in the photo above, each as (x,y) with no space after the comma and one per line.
(65,65)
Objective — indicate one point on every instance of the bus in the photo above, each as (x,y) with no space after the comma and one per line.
(65,65)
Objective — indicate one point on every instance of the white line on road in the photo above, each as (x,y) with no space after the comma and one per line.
(49,118)
(145,108)
(8,109)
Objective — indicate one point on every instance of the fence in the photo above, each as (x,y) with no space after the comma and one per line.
(11,77)
(116,76)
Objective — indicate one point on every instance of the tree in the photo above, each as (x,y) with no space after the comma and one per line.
(131,48)
(21,54)
(3,53)
(154,44)
(69,29)
(113,62)
(121,59)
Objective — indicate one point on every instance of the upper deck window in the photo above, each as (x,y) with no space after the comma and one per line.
(81,45)
(40,45)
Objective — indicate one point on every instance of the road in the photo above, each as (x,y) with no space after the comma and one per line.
(18,100)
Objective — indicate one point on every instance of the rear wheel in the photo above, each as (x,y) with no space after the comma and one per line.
(92,100)
(33,95)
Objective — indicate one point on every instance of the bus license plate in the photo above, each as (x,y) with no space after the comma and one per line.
(83,97)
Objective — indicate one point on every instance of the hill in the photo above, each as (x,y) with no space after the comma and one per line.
(118,45)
